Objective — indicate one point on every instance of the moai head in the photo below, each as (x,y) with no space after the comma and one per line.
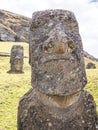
(56,53)
(90,65)
(16,59)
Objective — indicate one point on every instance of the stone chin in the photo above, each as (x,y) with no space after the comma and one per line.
(17,63)
(59,77)
(17,67)
(62,101)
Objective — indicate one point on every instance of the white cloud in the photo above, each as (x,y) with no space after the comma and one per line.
(85,12)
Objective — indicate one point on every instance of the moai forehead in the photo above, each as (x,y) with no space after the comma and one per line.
(56,53)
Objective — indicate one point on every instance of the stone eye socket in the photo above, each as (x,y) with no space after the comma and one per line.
(48,46)
(71,45)
(45,48)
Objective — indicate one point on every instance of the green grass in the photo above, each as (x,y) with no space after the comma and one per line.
(14,86)
(92,85)
(92,77)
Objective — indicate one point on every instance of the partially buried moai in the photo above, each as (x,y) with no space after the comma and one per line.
(16,59)
(57,100)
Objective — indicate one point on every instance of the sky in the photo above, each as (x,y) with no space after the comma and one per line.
(86,12)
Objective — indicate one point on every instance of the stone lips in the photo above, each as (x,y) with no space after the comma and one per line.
(56,49)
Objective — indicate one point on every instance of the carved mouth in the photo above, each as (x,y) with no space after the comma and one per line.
(64,101)
(53,58)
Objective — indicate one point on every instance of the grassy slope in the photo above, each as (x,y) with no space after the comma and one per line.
(92,85)
(14,86)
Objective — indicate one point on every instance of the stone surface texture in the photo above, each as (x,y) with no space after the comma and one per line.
(16,59)
(56,100)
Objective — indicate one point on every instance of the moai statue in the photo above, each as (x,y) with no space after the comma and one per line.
(56,100)
(16,59)
(90,65)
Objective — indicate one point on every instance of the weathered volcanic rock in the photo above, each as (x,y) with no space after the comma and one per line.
(57,100)
(13,27)
(6,34)
(90,65)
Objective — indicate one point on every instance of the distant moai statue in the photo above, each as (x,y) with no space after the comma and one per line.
(90,65)
(16,59)
(56,100)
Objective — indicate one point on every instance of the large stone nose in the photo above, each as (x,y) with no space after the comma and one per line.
(56,47)
(59,43)
(59,48)
(62,46)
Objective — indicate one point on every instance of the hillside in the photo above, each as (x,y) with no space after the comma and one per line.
(13,27)
(89,56)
